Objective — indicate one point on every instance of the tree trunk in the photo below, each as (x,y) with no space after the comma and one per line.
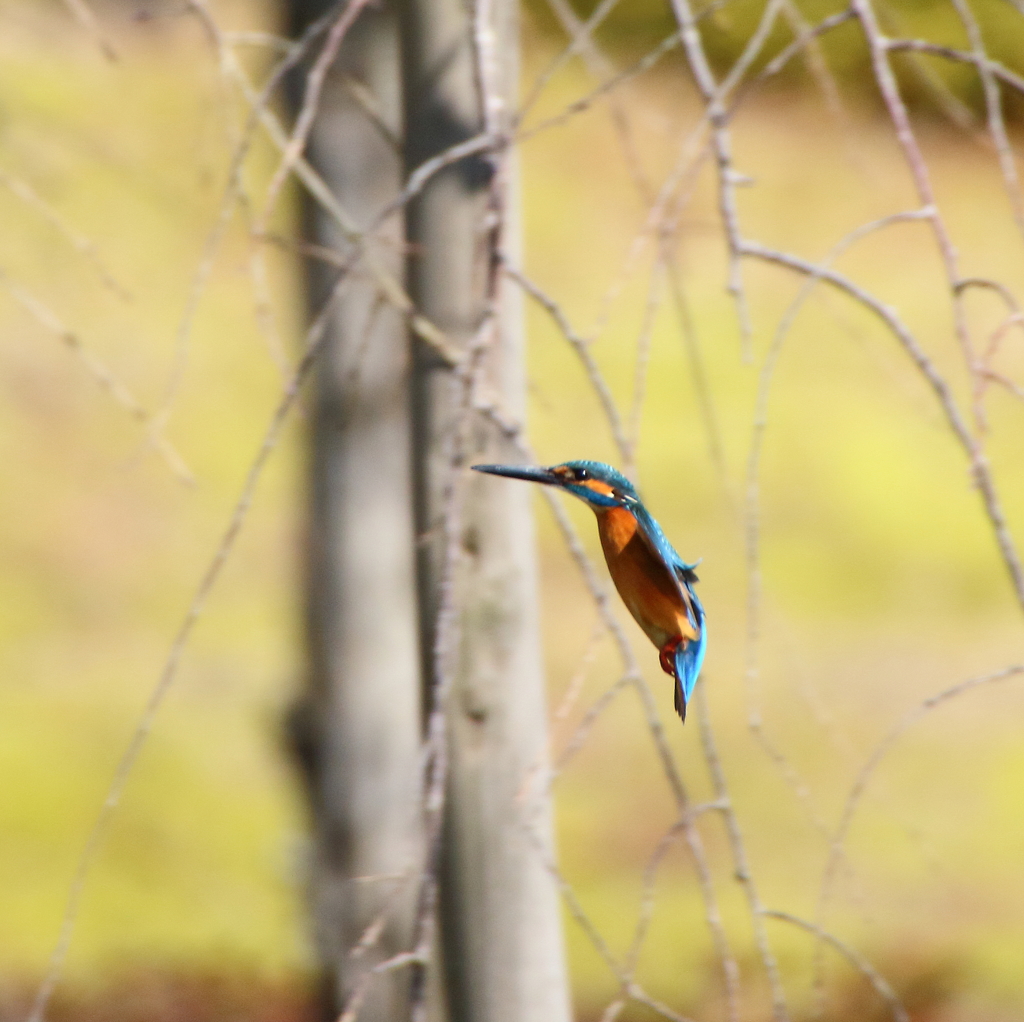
(501,926)
(360,729)
(361,723)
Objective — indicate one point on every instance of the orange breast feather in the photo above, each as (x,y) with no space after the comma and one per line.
(645,584)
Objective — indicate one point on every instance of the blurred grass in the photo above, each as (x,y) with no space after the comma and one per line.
(934,87)
(103,547)
(882,582)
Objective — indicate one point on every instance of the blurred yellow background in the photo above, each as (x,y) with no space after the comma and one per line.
(882,581)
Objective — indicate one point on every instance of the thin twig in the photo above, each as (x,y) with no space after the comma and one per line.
(698,373)
(582,349)
(993,67)
(99,371)
(650,876)
(344,20)
(580,41)
(743,873)
(864,775)
(169,671)
(752,513)
(607,87)
(389,286)
(857,960)
(84,15)
(994,110)
(802,41)
(810,44)
(232,189)
(643,359)
(980,470)
(715,110)
(918,167)
(712,913)
(83,245)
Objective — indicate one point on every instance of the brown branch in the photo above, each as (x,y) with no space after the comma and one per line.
(742,871)
(859,786)
(642,362)
(169,671)
(994,110)
(752,506)
(84,15)
(978,462)
(344,20)
(857,960)
(83,245)
(993,67)
(918,167)
(715,110)
(101,374)
(582,348)
(712,913)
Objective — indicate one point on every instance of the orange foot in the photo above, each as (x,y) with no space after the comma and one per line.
(668,655)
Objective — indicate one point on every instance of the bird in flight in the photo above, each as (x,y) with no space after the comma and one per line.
(655,583)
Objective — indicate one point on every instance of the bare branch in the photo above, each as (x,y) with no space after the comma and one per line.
(232,190)
(582,349)
(83,245)
(752,507)
(864,775)
(310,102)
(643,358)
(103,376)
(993,67)
(887,85)
(84,15)
(994,109)
(714,99)
(698,372)
(743,874)
(580,42)
(169,671)
(857,960)
(808,40)
(979,463)
(803,40)
(607,87)
(712,913)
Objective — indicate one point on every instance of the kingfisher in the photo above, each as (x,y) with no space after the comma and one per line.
(655,583)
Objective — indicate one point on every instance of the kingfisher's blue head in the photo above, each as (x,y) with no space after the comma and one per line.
(600,485)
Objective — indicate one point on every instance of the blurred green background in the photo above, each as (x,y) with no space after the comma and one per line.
(882,581)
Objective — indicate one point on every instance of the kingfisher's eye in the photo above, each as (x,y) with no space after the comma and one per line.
(580,474)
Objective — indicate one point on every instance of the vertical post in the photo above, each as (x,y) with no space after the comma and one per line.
(359,726)
(500,918)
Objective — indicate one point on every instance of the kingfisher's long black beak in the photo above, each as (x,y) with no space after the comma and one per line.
(532,475)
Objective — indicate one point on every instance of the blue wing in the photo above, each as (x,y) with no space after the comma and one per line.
(690,655)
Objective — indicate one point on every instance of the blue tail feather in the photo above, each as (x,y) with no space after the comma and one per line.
(689,658)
